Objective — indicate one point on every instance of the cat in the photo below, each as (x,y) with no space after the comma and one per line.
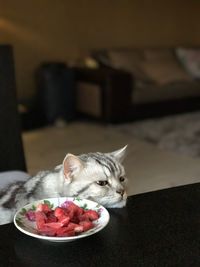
(96,176)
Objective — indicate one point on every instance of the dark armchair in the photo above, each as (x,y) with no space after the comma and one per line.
(104,93)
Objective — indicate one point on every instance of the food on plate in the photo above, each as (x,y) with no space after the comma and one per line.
(66,220)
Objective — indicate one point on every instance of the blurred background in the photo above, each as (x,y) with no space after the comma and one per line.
(64,31)
(96,75)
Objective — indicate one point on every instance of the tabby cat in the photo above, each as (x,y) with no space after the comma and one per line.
(96,176)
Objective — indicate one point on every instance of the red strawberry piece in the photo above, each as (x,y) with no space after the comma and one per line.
(83,217)
(79,211)
(51,217)
(75,219)
(64,220)
(64,231)
(43,207)
(72,207)
(66,204)
(79,228)
(54,225)
(69,230)
(71,214)
(86,225)
(40,218)
(74,212)
(92,215)
(71,226)
(48,231)
(59,212)
(75,227)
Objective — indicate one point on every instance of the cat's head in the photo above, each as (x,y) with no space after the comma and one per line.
(97,176)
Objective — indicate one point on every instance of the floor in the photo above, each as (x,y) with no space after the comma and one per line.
(148,168)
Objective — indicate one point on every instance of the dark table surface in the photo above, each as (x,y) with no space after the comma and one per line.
(160,228)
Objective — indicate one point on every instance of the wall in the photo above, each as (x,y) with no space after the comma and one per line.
(44,30)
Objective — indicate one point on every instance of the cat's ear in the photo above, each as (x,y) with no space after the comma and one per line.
(71,166)
(119,154)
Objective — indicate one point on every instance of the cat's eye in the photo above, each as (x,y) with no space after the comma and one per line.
(121,179)
(102,183)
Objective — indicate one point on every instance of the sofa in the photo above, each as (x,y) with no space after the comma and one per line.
(125,84)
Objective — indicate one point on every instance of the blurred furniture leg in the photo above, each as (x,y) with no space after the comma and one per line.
(11,147)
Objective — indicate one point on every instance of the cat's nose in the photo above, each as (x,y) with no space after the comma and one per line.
(121,192)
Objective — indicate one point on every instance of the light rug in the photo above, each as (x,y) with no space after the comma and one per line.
(179,133)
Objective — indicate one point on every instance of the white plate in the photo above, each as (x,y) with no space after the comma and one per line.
(29,227)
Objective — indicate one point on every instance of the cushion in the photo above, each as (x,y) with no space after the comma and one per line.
(130,61)
(190,58)
(161,65)
(158,54)
(165,71)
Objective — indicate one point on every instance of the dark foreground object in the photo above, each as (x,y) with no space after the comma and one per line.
(160,228)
